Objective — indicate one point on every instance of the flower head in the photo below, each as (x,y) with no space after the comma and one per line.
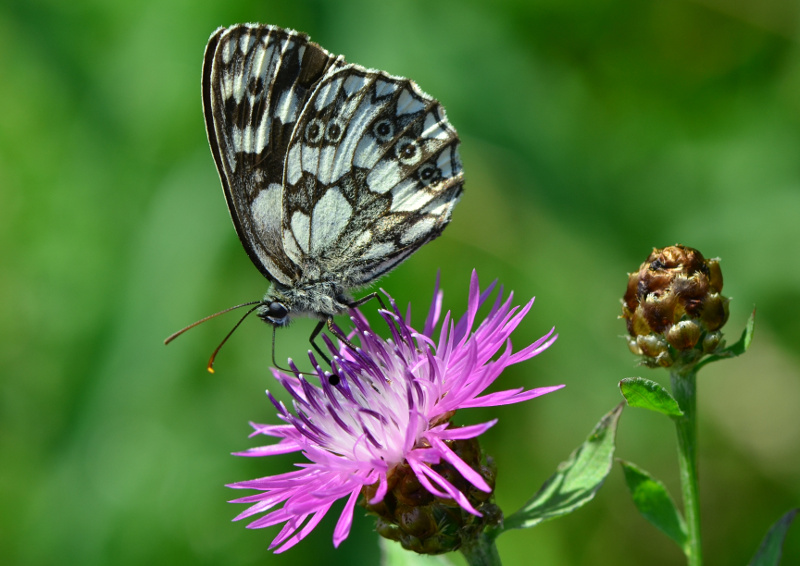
(390,412)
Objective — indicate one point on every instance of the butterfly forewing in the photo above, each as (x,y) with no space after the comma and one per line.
(256,79)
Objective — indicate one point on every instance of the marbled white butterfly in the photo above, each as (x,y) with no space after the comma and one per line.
(333,173)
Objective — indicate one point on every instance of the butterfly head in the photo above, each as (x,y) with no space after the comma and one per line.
(274,312)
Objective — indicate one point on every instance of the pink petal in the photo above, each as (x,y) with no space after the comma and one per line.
(468,473)
(508,397)
(464,432)
(345,519)
(451,490)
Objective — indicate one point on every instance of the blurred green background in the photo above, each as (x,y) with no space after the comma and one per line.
(591,133)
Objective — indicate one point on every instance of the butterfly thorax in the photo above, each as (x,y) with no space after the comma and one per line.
(317,299)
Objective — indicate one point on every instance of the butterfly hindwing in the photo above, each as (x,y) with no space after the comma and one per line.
(372,173)
(256,79)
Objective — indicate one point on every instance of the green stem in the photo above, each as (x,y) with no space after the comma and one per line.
(481,551)
(684,389)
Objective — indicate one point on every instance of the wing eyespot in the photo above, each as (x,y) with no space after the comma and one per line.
(334,130)
(408,151)
(429,174)
(315,129)
(383,131)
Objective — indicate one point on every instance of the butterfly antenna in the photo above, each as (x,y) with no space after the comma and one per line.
(210,366)
(209,317)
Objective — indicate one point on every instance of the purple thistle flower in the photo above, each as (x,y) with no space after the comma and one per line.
(392,406)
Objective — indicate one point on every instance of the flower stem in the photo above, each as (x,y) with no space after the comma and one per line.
(684,389)
(481,551)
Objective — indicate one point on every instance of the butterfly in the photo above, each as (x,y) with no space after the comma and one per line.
(333,173)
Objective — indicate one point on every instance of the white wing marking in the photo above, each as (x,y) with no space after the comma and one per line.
(266,210)
(384,175)
(420,228)
(327,93)
(227,52)
(239,86)
(363,240)
(310,158)
(262,136)
(367,153)
(287,108)
(300,229)
(266,214)
(408,104)
(433,128)
(247,139)
(441,208)
(291,248)
(331,215)
(409,196)
(378,250)
(245,41)
(383,88)
(322,163)
(294,167)
(226,85)
(353,84)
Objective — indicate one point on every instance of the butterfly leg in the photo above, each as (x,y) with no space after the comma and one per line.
(313,339)
(366,299)
(353,304)
(333,329)
(333,379)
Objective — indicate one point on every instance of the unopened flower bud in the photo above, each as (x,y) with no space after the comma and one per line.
(712,341)
(673,307)
(684,335)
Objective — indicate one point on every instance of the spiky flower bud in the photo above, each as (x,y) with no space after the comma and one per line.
(424,523)
(673,307)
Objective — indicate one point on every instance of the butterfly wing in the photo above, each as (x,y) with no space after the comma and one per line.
(256,80)
(372,173)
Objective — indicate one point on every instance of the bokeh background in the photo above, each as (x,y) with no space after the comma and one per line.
(591,133)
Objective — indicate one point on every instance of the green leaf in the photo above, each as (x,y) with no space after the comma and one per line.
(747,336)
(392,554)
(769,553)
(739,347)
(655,504)
(647,394)
(576,480)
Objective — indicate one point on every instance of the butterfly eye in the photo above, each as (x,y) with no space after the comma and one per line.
(314,131)
(334,131)
(277,309)
(383,130)
(274,312)
(408,151)
(429,174)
